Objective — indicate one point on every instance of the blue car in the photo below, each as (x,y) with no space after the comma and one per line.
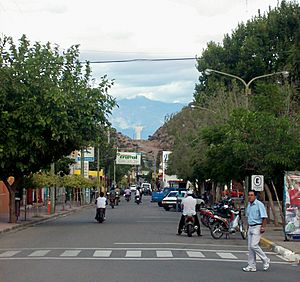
(158,196)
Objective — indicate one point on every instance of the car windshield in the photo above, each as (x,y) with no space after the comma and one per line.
(172,194)
(182,194)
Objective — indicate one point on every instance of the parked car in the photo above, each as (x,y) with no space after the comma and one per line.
(233,193)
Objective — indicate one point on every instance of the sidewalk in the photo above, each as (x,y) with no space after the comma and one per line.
(274,240)
(34,216)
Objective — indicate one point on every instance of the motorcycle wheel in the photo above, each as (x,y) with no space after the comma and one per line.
(189,230)
(242,230)
(216,230)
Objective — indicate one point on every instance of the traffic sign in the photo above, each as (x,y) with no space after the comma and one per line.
(257,182)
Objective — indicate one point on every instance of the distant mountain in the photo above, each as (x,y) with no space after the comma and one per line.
(141,111)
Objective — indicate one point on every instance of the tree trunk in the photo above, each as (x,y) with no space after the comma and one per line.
(12,195)
(267,189)
(278,202)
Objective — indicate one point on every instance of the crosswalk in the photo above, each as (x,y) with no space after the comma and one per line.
(129,254)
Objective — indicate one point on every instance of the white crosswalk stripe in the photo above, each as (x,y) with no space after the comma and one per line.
(164,254)
(9,253)
(70,253)
(104,254)
(193,254)
(134,254)
(226,255)
(39,253)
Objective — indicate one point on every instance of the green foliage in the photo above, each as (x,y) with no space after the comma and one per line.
(251,142)
(265,44)
(48,107)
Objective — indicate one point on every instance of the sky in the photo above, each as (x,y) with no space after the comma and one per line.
(133,29)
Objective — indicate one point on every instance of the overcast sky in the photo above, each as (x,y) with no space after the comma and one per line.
(126,29)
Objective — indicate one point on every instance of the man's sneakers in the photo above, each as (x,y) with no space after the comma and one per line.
(249,269)
(266,265)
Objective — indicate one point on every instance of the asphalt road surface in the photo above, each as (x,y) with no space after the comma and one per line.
(135,243)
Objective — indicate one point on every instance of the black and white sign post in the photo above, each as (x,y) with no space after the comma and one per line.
(257,183)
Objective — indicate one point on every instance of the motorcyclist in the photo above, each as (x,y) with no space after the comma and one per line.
(112,196)
(138,194)
(127,192)
(101,203)
(189,207)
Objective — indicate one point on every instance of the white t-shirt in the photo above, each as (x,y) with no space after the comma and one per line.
(101,202)
(189,205)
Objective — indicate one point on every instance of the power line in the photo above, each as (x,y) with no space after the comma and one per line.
(142,60)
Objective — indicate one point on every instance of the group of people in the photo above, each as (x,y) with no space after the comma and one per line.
(257,219)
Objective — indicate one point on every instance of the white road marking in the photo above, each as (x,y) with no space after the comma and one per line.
(9,253)
(39,253)
(133,259)
(226,255)
(195,254)
(164,254)
(102,253)
(133,254)
(153,221)
(70,253)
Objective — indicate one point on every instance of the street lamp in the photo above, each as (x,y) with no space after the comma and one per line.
(247,85)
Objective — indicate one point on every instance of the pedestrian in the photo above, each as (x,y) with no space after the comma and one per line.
(257,220)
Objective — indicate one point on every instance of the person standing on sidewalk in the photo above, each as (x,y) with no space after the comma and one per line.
(257,220)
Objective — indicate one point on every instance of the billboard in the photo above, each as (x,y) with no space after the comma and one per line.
(128,158)
(292,204)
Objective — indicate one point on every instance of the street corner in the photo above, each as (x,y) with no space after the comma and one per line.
(285,253)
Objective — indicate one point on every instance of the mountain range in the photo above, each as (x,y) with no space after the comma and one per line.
(141,111)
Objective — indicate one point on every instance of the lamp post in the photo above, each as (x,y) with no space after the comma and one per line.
(247,85)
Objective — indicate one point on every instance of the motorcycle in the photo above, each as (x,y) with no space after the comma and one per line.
(138,199)
(112,201)
(222,225)
(189,225)
(100,215)
(127,197)
(207,214)
(117,198)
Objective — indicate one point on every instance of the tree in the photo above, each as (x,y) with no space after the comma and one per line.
(48,107)
(265,44)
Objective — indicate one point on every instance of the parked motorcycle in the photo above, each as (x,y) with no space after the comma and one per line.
(221,225)
(100,215)
(189,225)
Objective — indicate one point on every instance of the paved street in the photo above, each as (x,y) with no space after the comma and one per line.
(136,243)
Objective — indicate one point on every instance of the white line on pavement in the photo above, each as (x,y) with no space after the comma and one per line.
(130,258)
(226,255)
(102,253)
(9,253)
(195,254)
(164,254)
(39,253)
(133,254)
(70,253)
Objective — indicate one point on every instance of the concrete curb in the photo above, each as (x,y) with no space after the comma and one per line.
(285,253)
(24,225)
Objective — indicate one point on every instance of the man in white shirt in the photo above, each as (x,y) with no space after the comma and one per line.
(189,207)
(101,203)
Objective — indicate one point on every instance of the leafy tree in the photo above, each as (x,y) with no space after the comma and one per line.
(265,44)
(48,107)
